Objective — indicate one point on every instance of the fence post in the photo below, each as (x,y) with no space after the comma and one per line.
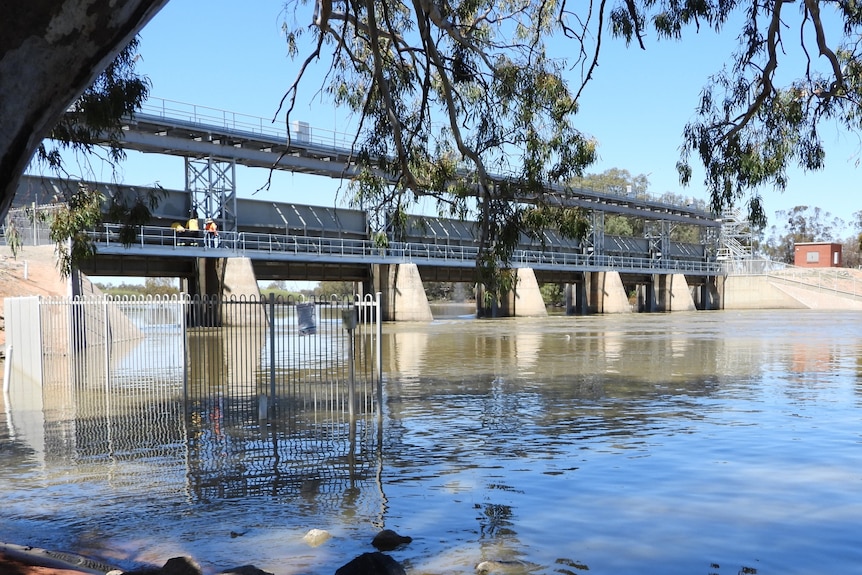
(272,349)
(348,322)
(378,340)
(107,336)
(184,309)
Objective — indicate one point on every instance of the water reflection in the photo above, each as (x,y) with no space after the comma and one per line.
(233,454)
(672,443)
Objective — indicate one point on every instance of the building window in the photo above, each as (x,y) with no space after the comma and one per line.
(812,257)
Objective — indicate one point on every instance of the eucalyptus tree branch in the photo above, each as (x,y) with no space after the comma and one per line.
(766,87)
(322,11)
(430,8)
(813,7)
(594,63)
(633,13)
(468,152)
(359,25)
(446,88)
(386,96)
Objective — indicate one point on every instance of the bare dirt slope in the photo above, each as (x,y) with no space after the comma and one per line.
(32,273)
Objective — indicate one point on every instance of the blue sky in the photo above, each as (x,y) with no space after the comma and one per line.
(231,55)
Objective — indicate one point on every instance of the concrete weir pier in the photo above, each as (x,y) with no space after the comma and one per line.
(606,294)
(224,273)
(402,294)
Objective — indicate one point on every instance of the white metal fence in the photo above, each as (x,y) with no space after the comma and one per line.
(258,404)
(286,354)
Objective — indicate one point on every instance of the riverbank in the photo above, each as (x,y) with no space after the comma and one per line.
(32,272)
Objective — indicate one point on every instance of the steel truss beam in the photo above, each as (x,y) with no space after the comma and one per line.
(211,184)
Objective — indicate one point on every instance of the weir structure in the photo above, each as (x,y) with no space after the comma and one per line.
(265,240)
(274,241)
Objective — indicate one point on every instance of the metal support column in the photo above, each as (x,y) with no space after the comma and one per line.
(211,184)
(594,243)
(658,234)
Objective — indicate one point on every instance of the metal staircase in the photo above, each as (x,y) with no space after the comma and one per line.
(736,237)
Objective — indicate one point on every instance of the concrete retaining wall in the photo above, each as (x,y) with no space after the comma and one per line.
(813,298)
(757,292)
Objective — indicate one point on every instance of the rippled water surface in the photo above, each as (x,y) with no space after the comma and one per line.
(690,443)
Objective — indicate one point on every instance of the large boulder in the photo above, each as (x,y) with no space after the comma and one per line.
(372,564)
(387,540)
(174,566)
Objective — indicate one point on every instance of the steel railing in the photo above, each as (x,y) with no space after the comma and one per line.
(301,133)
(836,280)
(281,246)
(840,281)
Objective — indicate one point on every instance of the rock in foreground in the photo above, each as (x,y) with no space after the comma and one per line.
(372,564)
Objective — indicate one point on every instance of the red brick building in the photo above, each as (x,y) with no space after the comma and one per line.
(817,255)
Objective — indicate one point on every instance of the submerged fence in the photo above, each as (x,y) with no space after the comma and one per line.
(232,397)
(284,352)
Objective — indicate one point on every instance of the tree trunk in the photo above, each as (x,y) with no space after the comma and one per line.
(50,52)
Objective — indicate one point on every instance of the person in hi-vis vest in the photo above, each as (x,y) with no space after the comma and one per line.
(211,233)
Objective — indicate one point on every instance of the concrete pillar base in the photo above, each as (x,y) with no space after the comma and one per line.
(607,294)
(679,295)
(402,294)
(527,297)
(239,282)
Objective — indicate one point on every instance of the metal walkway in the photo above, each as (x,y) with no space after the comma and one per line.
(191,131)
(274,233)
(160,242)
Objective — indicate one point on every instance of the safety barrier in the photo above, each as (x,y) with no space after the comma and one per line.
(259,403)
(277,246)
(282,352)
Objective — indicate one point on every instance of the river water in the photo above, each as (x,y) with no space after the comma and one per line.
(689,443)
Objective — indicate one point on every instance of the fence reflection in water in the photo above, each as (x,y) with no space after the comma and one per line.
(310,444)
(255,400)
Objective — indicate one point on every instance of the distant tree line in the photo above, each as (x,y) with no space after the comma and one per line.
(811,224)
(150,287)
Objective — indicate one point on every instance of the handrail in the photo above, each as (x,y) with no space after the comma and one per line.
(251,243)
(206,116)
(301,133)
(842,281)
